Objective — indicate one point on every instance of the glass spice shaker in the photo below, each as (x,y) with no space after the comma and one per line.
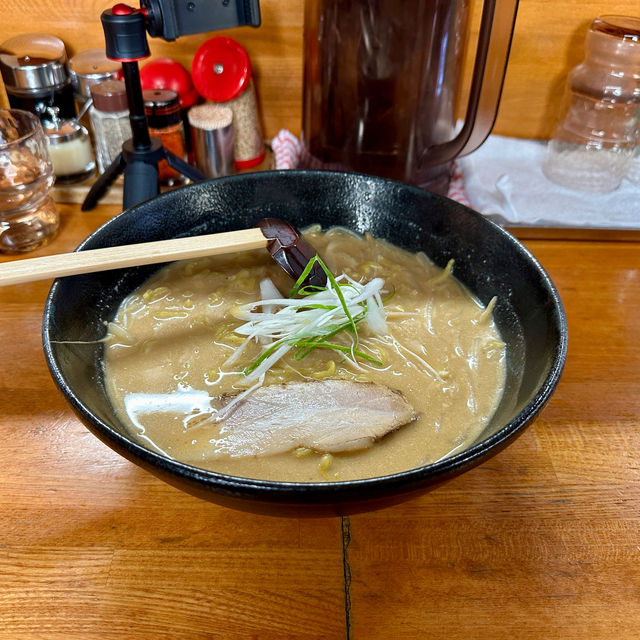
(164,118)
(86,69)
(222,73)
(593,144)
(35,76)
(109,115)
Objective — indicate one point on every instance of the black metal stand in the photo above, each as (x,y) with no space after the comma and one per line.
(140,155)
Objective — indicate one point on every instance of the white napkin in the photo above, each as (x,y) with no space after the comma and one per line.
(503,179)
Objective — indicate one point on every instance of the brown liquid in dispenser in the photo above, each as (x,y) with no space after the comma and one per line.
(383,83)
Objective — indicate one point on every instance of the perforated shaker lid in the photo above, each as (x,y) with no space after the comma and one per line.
(90,67)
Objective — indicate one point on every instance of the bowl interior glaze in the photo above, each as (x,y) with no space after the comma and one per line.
(488,260)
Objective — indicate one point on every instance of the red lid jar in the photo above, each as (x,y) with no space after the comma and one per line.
(222,73)
(165,73)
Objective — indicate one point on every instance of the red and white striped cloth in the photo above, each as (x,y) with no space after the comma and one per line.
(456,187)
(290,153)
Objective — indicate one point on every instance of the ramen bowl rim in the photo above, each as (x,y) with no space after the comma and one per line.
(209,484)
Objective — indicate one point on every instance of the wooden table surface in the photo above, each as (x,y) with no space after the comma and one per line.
(542,541)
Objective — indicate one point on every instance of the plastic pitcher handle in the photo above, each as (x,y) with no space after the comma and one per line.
(492,53)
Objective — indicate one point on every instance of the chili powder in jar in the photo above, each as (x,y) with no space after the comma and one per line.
(162,108)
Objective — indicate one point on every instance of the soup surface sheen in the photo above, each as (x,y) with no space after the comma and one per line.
(166,348)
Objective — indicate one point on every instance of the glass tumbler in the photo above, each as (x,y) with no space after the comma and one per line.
(28,215)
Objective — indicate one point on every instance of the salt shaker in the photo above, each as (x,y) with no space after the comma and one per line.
(592,145)
(109,115)
(222,73)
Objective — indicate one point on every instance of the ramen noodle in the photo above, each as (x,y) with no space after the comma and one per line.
(170,368)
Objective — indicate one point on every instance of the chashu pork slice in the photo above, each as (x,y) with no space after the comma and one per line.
(324,415)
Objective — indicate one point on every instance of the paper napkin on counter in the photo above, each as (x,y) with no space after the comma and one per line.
(503,179)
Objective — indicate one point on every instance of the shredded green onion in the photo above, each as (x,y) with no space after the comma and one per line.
(309,321)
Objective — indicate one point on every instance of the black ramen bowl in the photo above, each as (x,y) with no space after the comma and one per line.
(488,260)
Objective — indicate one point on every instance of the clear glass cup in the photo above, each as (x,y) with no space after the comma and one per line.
(28,215)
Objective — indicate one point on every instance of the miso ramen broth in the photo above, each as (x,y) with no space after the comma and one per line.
(167,347)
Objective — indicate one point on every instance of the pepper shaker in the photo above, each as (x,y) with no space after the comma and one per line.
(109,115)
(222,73)
(88,68)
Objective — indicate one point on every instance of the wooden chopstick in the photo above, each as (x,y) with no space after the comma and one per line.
(132,255)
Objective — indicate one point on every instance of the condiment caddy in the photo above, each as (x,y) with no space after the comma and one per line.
(84,111)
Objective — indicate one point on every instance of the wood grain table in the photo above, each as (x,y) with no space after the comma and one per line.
(542,541)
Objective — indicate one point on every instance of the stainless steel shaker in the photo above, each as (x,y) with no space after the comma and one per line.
(212,139)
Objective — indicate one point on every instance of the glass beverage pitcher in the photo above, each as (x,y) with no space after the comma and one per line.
(382,83)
